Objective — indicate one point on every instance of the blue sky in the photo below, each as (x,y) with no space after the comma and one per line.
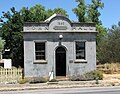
(109,15)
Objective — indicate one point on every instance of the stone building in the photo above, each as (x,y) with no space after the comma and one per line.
(60,46)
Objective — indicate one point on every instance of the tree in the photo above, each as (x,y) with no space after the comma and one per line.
(2,42)
(80,11)
(25,14)
(93,15)
(61,11)
(114,43)
(102,32)
(109,47)
(38,13)
(11,33)
(90,12)
(93,11)
(102,50)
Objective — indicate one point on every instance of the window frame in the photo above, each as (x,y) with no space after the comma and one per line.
(42,54)
(80,60)
(39,60)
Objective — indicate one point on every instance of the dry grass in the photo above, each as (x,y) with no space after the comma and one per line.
(111,76)
(112,66)
(111,71)
(109,68)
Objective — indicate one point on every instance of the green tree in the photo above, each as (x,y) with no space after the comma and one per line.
(114,43)
(38,13)
(11,33)
(109,47)
(102,32)
(25,14)
(93,11)
(61,11)
(0,27)
(2,43)
(93,15)
(80,11)
(102,50)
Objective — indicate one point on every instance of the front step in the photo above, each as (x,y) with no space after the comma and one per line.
(62,78)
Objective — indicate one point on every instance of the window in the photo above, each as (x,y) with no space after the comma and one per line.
(40,51)
(80,50)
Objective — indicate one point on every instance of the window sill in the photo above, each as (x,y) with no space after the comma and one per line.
(80,61)
(40,61)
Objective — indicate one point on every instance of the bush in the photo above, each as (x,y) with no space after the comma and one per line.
(93,75)
(23,81)
(78,78)
(38,80)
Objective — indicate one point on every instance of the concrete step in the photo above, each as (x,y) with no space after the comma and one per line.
(62,78)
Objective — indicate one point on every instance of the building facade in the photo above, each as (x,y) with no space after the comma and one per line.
(60,46)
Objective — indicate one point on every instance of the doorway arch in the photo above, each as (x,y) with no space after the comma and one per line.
(60,61)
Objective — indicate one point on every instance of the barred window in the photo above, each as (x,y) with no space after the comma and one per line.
(80,50)
(40,51)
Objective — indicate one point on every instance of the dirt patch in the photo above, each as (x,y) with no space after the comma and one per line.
(111,76)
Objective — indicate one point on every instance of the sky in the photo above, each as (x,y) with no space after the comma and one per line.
(110,14)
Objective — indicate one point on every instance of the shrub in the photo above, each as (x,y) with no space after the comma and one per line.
(38,80)
(23,81)
(93,75)
(78,78)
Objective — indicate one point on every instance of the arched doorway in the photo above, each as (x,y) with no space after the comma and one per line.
(60,61)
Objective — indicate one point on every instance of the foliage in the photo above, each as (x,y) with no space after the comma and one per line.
(60,11)
(114,44)
(93,11)
(2,42)
(102,51)
(102,33)
(93,75)
(38,80)
(101,43)
(38,13)
(13,25)
(23,81)
(25,14)
(90,12)
(109,47)
(97,74)
(80,11)
(11,33)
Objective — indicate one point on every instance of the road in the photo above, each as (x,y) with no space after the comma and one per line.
(88,90)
